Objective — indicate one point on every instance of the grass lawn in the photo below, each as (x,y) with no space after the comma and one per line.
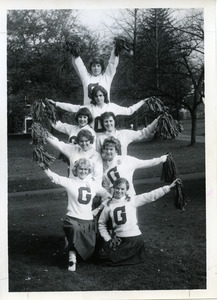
(175,240)
(24,174)
(175,243)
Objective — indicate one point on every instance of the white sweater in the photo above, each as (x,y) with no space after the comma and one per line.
(124,166)
(96,111)
(104,79)
(80,194)
(123,213)
(73,130)
(74,152)
(126,136)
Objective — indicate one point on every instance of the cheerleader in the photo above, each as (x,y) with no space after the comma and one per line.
(116,166)
(83,119)
(125,136)
(98,74)
(125,246)
(100,104)
(79,226)
(83,149)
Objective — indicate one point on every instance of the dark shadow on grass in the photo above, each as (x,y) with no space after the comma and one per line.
(160,271)
(41,250)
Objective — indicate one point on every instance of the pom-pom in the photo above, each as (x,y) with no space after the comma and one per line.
(43,158)
(38,133)
(122,43)
(73,46)
(167,127)
(169,169)
(179,197)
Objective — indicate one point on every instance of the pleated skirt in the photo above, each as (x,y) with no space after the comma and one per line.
(131,251)
(81,236)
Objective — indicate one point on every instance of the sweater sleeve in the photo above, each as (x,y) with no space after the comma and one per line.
(151,196)
(139,163)
(100,191)
(55,178)
(100,137)
(106,184)
(112,65)
(62,127)
(121,110)
(98,172)
(146,132)
(68,106)
(61,146)
(102,224)
(80,68)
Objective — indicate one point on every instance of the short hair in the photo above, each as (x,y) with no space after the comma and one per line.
(115,142)
(97,60)
(121,180)
(85,112)
(87,134)
(95,90)
(106,115)
(82,162)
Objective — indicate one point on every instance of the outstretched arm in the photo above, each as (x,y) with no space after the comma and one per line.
(63,127)
(55,178)
(66,149)
(130,136)
(121,110)
(154,195)
(146,132)
(65,106)
(140,163)
(112,65)
(80,68)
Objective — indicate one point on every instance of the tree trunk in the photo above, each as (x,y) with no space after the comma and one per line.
(193,126)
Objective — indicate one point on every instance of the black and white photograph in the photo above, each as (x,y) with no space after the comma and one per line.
(108,141)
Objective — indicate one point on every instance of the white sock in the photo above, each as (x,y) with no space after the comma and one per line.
(72,256)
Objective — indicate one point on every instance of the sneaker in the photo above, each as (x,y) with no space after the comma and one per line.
(72,266)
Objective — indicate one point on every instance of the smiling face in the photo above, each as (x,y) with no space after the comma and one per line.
(96,69)
(84,143)
(82,120)
(82,171)
(120,191)
(109,124)
(109,152)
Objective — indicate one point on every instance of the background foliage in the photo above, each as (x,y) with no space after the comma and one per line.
(167,59)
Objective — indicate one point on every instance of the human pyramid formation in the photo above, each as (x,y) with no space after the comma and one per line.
(100,184)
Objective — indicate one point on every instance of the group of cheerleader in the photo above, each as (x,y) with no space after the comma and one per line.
(101,219)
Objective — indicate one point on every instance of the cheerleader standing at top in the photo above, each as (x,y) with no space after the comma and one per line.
(126,245)
(98,75)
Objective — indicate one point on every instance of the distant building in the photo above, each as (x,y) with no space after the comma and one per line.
(27,120)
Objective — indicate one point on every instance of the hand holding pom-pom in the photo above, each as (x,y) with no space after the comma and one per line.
(113,243)
(73,46)
(122,43)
